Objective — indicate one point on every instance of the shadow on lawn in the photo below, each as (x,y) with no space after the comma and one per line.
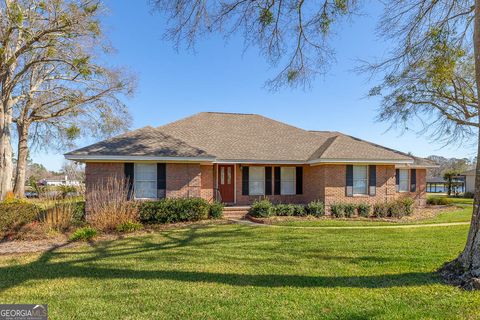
(50,266)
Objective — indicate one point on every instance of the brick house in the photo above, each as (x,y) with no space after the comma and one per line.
(238,158)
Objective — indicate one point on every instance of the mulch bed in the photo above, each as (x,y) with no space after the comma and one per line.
(418,214)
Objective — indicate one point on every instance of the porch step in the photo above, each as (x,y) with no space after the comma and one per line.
(235,212)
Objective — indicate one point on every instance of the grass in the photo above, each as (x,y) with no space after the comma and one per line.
(243,272)
(457,214)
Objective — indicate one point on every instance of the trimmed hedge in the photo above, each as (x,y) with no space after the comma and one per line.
(395,209)
(13,215)
(439,201)
(284,210)
(172,210)
(315,208)
(337,210)
(261,209)
(363,210)
(216,210)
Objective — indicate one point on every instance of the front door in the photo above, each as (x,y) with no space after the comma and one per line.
(226,182)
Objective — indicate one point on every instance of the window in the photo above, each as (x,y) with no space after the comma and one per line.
(145,181)
(403,180)
(360,180)
(256,181)
(288,180)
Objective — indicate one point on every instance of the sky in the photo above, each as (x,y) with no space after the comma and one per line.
(220,76)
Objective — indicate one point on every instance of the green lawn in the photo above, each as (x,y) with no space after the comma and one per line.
(237,272)
(457,214)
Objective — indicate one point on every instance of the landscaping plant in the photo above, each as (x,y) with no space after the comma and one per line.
(216,210)
(363,210)
(83,234)
(173,210)
(129,226)
(337,210)
(315,208)
(261,209)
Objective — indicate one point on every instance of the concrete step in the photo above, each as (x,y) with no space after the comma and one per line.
(235,212)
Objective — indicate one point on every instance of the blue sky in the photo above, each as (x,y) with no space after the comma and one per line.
(220,77)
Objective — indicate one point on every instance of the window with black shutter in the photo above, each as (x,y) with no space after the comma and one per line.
(245,181)
(372,180)
(349,181)
(277,181)
(129,178)
(299,180)
(268,180)
(413,180)
(161,180)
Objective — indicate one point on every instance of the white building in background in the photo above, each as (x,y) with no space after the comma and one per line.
(469,180)
(60,181)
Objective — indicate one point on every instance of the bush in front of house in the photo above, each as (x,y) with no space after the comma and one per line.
(337,210)
(349,209)
(129,226)
(216,210)
(380,210)
(396,209)
(15,214)
(315,208)
(468,195)
(284,209)
(363,210)
(299,210)
(173,210)
(261,209)
(83,234)
(438,201)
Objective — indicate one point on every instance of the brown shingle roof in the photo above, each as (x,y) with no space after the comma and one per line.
(248,137)
(146,141)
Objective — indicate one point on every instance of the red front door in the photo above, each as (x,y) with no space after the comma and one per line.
(226,182)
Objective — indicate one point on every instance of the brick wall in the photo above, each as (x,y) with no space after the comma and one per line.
(335,180)
(207,182)
(420,195)
(183,180)
(97,173)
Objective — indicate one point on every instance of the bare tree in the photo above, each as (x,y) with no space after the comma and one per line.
(52,77)
(292,33)
(432,74)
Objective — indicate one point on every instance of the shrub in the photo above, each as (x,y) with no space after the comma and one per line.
(349,210)
(438,201)
(396,209)
(109,205)
(78,216)
(299,210)
(83,234)
(380,210)
(363,209)
(337,210)
(173,210)
(284,210)
(408,204)
(129,226)
(216,210)
(13,215)
(315,208)
(468,195)
(261,209)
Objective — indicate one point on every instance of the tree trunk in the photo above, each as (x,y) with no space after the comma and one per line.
(6,164)
(465,270)
(22,153)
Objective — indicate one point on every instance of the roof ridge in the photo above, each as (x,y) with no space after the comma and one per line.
(377,145)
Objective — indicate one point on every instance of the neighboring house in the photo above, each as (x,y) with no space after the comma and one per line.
(469,180)
(439,185)
(238,158)
(59,181)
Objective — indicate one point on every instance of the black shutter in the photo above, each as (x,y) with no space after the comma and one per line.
(245,177)
(397,180)
(161,180)
(299,180)
(278,179)
(268,181)
(129,171)
(349,181)
(413,180)
(372,180)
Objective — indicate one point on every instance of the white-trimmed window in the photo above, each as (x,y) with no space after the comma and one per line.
(403,180)
(287,180)
(145,181)
(360,180)
(256,181)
